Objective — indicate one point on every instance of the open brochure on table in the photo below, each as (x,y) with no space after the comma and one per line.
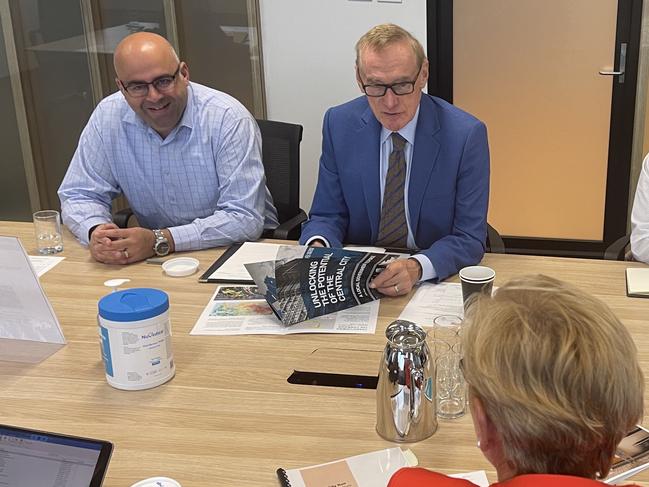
(307,282)
(242,310)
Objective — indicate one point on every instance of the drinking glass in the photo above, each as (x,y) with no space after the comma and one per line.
(450,384)
(47,228)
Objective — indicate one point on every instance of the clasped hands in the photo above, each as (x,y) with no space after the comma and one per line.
(110,244)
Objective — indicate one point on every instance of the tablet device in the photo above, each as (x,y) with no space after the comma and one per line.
(38,458)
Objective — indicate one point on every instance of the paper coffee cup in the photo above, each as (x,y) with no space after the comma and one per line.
(476,279)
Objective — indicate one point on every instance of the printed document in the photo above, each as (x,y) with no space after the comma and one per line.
(43,263)
(432,300)
(302,283)
(242,310)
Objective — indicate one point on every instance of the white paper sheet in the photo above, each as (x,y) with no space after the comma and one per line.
(43,263)
(432,300)
(237,310)
(233,269)
(479,477)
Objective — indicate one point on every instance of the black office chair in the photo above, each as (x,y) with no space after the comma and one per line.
(619,250)
(495,244)
(281,158)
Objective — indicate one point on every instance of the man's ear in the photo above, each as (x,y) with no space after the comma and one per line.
(423,76)
(184,70)
(120,86)
(359,82)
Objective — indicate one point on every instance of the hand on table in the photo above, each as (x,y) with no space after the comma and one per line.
(113,245)
(398,277)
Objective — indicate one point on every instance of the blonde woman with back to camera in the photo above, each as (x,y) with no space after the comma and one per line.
(554,385)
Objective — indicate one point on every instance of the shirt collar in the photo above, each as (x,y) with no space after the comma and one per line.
(407,131)
(187,120)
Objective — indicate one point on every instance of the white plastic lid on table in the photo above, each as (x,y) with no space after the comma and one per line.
(180,266)
(157,482)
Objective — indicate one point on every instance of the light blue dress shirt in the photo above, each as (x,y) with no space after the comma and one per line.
(204,182)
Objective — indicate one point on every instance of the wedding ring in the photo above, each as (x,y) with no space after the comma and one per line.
(125,252)
(396,288)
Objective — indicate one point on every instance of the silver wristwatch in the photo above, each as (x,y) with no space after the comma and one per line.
(161,245)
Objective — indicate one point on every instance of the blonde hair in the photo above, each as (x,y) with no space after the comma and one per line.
(557,373)
(383,35)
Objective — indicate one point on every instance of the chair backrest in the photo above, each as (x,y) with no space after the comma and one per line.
(495,243)
(281,158)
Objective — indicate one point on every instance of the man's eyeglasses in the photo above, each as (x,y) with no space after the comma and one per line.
(401,88)
(163,84)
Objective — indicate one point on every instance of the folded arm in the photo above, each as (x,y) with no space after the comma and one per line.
(239,216)
(88,188)
(467,242)
(329,216)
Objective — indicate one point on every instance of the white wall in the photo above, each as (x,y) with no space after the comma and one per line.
(308,56)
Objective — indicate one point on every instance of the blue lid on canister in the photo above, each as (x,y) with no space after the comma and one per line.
(133,304)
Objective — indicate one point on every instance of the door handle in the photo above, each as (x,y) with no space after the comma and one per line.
(620,71)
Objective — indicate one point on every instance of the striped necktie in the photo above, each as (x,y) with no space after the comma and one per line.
(393,230)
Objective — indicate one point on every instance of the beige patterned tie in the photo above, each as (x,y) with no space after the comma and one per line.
(393,230)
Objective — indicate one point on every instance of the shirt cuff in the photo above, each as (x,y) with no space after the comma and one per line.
(427,270)
(186,237)
(86,226)
(317,237)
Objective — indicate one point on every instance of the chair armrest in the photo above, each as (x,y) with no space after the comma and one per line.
(122,217)
(495,243)
(290,229)
(615,251)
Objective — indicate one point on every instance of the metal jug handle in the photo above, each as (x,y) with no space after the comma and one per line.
(416,377)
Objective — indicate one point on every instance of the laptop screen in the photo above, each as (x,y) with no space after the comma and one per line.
(31,458)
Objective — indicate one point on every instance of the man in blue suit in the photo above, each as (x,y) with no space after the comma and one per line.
(426,188)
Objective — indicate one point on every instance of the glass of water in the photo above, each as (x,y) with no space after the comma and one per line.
(451,387)
(47,227)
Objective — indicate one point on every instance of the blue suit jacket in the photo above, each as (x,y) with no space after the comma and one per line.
(448,191)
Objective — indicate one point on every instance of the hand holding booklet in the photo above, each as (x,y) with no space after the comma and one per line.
(307,282)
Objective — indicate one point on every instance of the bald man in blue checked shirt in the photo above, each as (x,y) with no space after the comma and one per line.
(187,157)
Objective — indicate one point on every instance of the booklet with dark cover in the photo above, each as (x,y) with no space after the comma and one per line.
(305,282)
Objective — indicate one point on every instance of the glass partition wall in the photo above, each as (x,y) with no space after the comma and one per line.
(56,64)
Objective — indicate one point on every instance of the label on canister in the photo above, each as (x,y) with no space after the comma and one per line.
(135,335)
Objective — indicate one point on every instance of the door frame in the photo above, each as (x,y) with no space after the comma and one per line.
(628,30)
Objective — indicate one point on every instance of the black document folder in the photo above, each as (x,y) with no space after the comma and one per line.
(218,263)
